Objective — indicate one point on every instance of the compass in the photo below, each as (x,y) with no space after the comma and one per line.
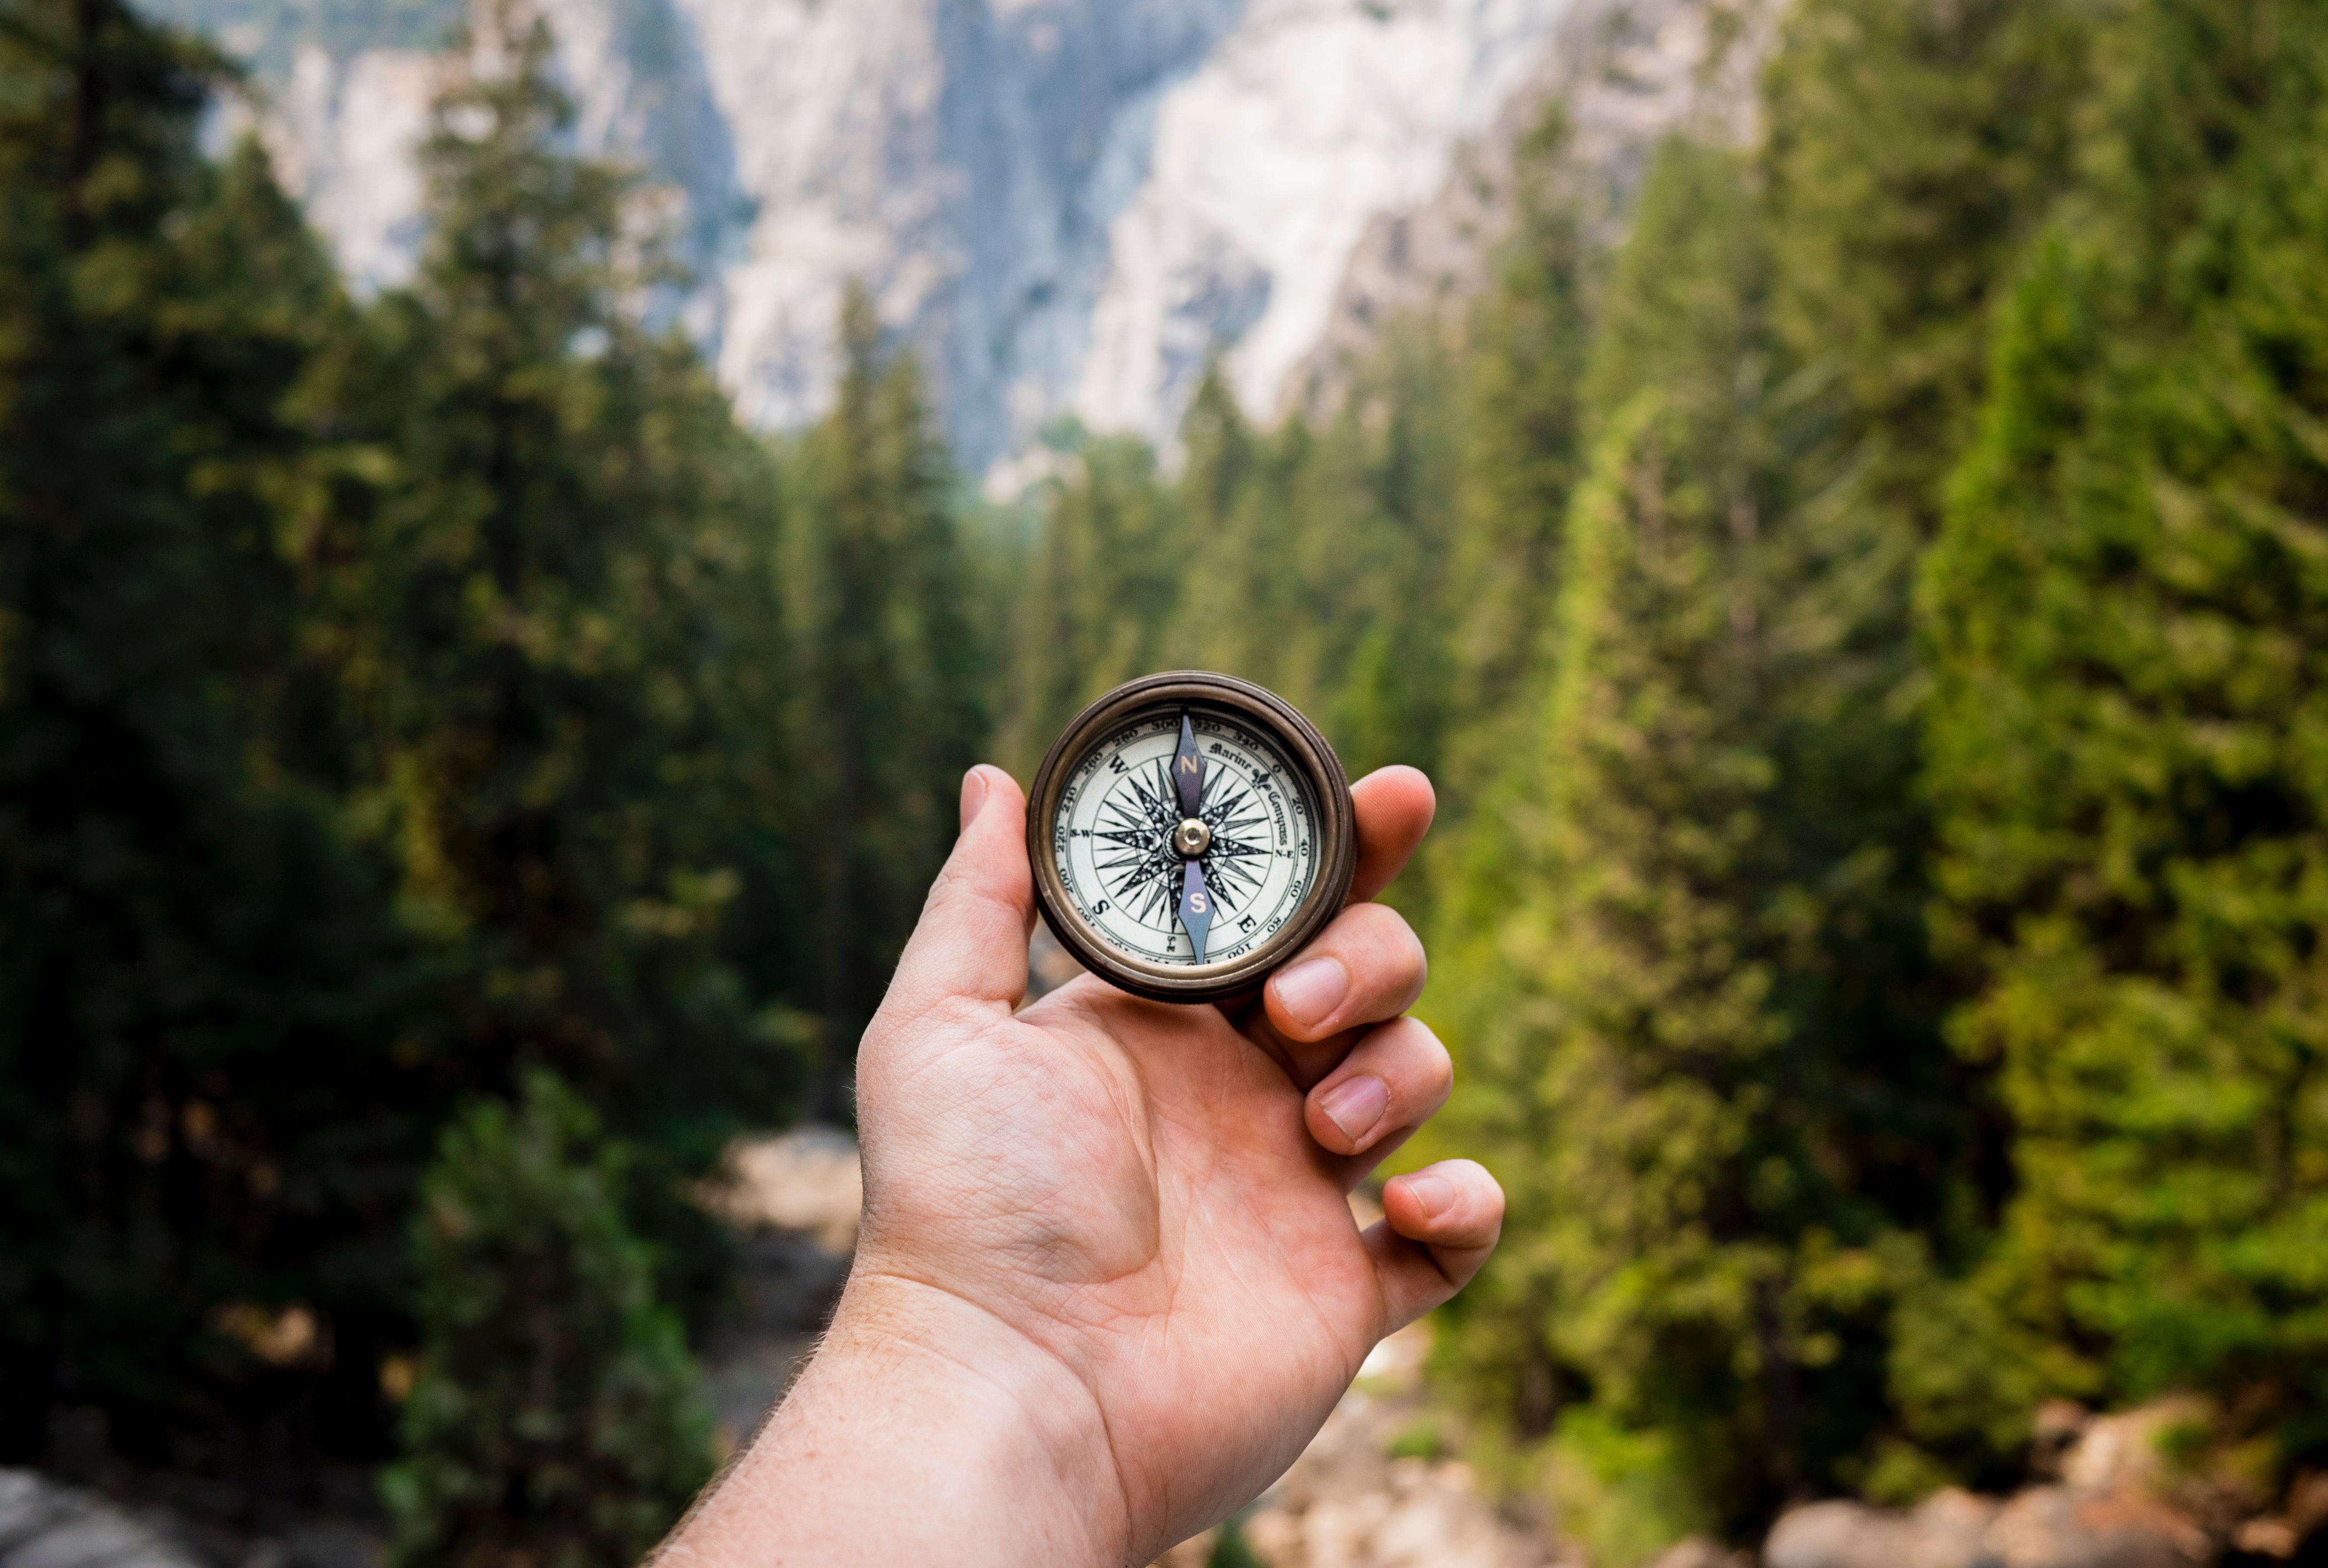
(1188,833)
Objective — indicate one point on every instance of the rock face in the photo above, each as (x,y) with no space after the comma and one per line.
(1623,73)
(1065,205)
(45,1526)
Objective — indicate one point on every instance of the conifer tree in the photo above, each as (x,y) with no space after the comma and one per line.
(1378,514)
(2128,609)
(1912,149)
(1518,387)
(197,1096)
(1624,1066)
(554,1419)
(1099,593)
(889,714)
(535,628)
(1705,1185)
(1229,546)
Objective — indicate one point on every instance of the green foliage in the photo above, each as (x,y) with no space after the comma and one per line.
(536,612)
(1625,1492)
(398,700)
(1230,1548)
(199,986)
(554,1419)
(380,711)
(1516,386)
(1628,1080)
(1422,1439)
(1099,587)
(887,708)
(1694,1002)
(1704,1169)
(2126,610)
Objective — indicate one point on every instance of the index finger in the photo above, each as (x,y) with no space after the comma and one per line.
(1394,807)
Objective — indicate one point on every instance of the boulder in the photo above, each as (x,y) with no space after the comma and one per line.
(2126,1451)
(2071,1528)
(1700,1551)
(1945,1532)
(45,1526)
(2044,1527)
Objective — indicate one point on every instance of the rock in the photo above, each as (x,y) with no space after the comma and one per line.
(2060,1423)
(1945,1532)
(2124,1451)
(45,1526)
(1700,1551)
(1346,1502)
(2044,1527)
(806,1180)
(2306,1508)
(2067,1527)
(1063,207)
(2269,1536)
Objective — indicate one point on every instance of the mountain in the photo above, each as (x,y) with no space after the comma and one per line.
(1064,205)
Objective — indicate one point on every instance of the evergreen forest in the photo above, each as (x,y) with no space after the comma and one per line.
(1862,615)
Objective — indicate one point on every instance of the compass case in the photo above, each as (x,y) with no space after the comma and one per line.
(1201,693)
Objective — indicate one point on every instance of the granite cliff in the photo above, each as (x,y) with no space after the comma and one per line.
(1065,205)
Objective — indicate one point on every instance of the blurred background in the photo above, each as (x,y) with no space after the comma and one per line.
(514,520)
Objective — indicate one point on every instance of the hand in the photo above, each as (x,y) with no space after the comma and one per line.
(1108,1285)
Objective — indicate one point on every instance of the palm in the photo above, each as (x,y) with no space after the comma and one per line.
(1161,1222)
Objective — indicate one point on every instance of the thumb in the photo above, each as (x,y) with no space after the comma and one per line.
(971,944)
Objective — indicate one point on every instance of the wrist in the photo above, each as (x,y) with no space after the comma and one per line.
(927,1429)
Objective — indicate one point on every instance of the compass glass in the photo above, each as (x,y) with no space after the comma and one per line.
(1112,838)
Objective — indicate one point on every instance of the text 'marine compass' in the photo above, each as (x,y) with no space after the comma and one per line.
(1188,833)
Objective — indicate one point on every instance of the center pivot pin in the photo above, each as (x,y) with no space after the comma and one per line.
(1192,838)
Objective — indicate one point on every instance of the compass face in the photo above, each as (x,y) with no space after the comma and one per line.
(1112,838)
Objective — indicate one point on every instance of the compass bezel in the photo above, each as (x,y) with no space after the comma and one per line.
(1303,745)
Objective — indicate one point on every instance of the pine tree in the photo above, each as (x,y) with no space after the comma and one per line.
(534,625)
(1706,1195)
(197,1098)
(1621,1064)
(1911,148)
(1229,545)
(1099,590)
(1377,514)
(889,714)
(554,1419)
(1518,387)
(2127,609)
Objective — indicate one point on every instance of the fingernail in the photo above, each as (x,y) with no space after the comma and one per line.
(1356,1105)
(974,796)
(1310,991)
(1434,1195)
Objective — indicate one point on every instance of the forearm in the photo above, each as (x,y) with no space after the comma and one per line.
(924,1431)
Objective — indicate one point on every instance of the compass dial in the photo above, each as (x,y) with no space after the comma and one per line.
(1115,838)
(1189,832)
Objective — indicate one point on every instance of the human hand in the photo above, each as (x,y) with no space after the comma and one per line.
(1107,1285)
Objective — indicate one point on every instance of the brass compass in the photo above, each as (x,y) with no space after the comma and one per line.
(1188,833)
